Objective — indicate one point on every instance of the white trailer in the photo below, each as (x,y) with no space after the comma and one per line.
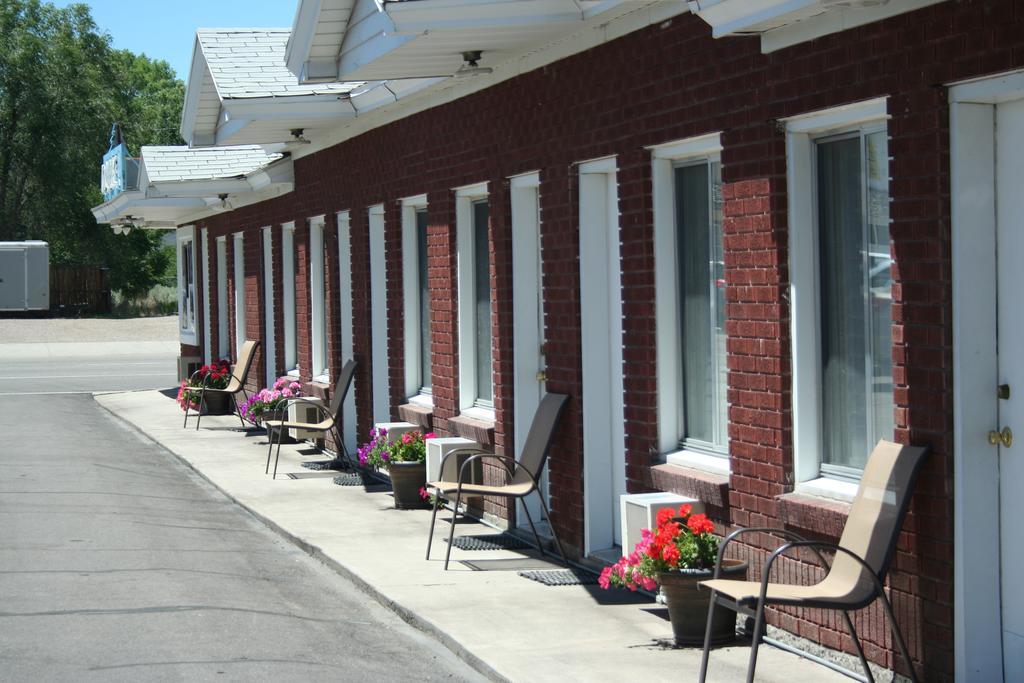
(24,276)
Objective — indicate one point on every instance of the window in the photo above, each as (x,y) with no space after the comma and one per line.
(223,338)
(841,282)
(288,271)
(318,326)
(240,329)
(416,296)
(476,375)
(690,294)
(187,285)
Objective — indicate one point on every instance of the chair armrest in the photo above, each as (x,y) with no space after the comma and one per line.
(750,530)
(193,376)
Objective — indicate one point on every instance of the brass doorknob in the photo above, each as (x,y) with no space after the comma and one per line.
(542,376)
(1004,437)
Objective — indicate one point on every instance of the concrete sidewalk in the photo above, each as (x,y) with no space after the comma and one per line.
(506,626)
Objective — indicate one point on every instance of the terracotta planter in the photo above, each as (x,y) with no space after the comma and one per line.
(688,604)
(407,478)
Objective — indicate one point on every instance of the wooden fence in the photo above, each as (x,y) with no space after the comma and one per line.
(77,290)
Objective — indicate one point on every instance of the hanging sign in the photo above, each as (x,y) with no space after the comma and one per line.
(112,172)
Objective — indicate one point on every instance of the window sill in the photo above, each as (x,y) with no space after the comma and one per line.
(712,489)
(188,337)
(470,427)
(422,400)
(821,516)
(322,379)
(418,414)
(834,489)
(294,373)
(715,464)
(479,413)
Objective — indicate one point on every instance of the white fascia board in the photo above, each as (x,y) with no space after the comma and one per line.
(198,188)
(193,92)
(430,15)
(270,108)
(115,208)
(368,41)
(135,203)
(727,17)
(300,41)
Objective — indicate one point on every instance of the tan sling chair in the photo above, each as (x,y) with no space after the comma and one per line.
(524,474)
(861,561)
(330,418)
(235,385)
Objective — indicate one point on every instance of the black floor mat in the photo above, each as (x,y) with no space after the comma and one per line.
(502,541)
(560,577)
(321,465)
(310,475)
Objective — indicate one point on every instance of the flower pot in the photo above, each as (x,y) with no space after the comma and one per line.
(216,403)
(407,478)
(688,604)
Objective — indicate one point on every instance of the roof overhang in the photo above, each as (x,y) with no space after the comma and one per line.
(782,23)
(169,203)
(382,40)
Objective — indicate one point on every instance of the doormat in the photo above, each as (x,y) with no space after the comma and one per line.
(310,475)
(502,541)
(320,465)
(359,479)
(560,577)
(511,564)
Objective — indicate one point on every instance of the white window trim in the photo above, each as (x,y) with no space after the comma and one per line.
(318,325)
(268,305)
(186,322)
(664,158)
(291,351)
(223,335)
(207,325)
(468,404)
(239,263)
(803,291)
(345,325)
(414,391)
(379,314)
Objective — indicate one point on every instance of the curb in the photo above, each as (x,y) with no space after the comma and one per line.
(405,614)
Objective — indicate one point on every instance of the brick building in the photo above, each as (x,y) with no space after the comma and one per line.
(747,244)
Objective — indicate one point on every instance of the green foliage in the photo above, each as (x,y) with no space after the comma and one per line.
(62,85)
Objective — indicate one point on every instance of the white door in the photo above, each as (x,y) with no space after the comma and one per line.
(1010,308)
(604,452)
(528,320)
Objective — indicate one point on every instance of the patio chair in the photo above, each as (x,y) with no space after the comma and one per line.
(330,418)
(524,474)
(236,384)
(857,573)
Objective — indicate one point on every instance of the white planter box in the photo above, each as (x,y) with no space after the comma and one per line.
(305,410)
(640,511)
(396,429)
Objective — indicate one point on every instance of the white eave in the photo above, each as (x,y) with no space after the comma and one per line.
(781,23)
(173,196)
(382,40)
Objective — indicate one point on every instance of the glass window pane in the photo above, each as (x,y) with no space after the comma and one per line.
(856,328)
(702,304)
(482,291)
(424,294)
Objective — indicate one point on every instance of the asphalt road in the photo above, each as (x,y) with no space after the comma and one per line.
(118,563)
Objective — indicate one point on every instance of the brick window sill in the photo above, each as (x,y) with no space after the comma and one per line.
(481,431)
(316,389)
(824,517)
(421,416)
(709,488)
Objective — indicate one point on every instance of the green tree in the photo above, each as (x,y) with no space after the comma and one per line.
(61,87)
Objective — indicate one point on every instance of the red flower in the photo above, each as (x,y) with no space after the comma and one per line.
(700,524)
(685,509)
(665,515)
(671,554)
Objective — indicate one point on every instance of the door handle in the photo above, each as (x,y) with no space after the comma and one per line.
(1005,437)
(542,376)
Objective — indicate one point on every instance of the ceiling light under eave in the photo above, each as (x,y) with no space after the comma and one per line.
(470,67)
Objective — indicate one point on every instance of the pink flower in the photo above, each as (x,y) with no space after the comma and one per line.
(407,438)
(605,580)
(287,393)
(648,584)
(429,435)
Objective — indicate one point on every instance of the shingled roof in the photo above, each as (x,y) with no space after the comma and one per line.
(170,164)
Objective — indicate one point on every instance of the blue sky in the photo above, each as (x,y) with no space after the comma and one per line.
(166,30)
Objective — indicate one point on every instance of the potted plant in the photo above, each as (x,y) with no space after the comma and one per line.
(264,403)
(216,375)
(405,460)
(677,555)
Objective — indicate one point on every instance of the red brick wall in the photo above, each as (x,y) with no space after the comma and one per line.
(664,83)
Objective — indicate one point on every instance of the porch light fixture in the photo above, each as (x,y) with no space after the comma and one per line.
(471,68)
(298,137)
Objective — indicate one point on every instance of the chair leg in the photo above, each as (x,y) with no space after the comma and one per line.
(707,640)
(433,519)
(904,652)
(270,449)
(547,515)
(185,423)
(280,438)
(857,645)
(341,450)
(758,633)
(451,532)
(536,536)
(238,411)
(202,403)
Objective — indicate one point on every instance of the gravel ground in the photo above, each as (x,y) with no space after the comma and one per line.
(56,330)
